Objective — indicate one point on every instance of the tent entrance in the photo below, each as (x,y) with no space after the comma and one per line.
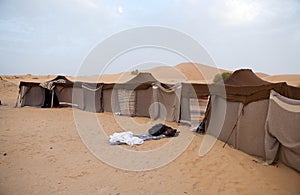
(51,99)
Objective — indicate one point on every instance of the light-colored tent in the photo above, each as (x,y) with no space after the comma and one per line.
(282,141)
(238,110)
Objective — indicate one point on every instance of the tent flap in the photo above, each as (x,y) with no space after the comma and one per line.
(282,139)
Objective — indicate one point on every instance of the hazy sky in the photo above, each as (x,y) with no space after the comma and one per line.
(54,36)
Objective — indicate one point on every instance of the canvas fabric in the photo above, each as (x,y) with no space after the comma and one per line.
(282,141)
(197,109)
(243,100)
(33,95)
(144,100)
(190,94)
(127,101)
(92,96)
(64,95)
(77,96)
(241,126)
(168,98)
(50,85)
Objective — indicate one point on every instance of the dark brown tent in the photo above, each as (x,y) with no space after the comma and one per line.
(238,110)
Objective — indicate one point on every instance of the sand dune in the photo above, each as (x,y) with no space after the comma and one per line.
(291,79)
(261,74)
(198,72)
(184,72)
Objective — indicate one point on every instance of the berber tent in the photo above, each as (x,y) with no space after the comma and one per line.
(238,110)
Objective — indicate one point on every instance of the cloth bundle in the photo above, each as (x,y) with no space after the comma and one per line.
(156,132)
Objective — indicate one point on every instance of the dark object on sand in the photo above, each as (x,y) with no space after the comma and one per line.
(161,129)
(201,128)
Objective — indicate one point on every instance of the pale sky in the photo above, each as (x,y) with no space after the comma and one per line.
(54,36)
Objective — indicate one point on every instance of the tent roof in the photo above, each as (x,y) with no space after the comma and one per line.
(244,86)
(244,77)
(142,78)
(141,81)
(194,90)
(68,83)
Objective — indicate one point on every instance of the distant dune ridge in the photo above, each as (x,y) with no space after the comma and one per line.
(183,72)
(291,79)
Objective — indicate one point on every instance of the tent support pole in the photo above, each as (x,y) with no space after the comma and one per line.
(19,97)
(52,97)
(237,120)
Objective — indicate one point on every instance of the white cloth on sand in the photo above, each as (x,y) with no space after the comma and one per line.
(125,137)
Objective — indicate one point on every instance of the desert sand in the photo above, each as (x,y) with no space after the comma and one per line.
(41,152)
(291,79)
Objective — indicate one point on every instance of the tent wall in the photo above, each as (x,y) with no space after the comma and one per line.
(106,100)
(144,99)
(193,102)
(127,101)
(110,100)
(185,109)
(78,97)
(32,96)
(222,119)
(169,103)
(92,97)
(64,94)
(249,122)
(283,131)
(192,109)
(197,107)
(251,128)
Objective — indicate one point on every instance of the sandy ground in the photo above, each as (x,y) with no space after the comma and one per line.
(41,152)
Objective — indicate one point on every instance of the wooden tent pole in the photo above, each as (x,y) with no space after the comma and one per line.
(52,98)
(20,99)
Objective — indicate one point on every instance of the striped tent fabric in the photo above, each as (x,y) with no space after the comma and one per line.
(127,100)
(197,109)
